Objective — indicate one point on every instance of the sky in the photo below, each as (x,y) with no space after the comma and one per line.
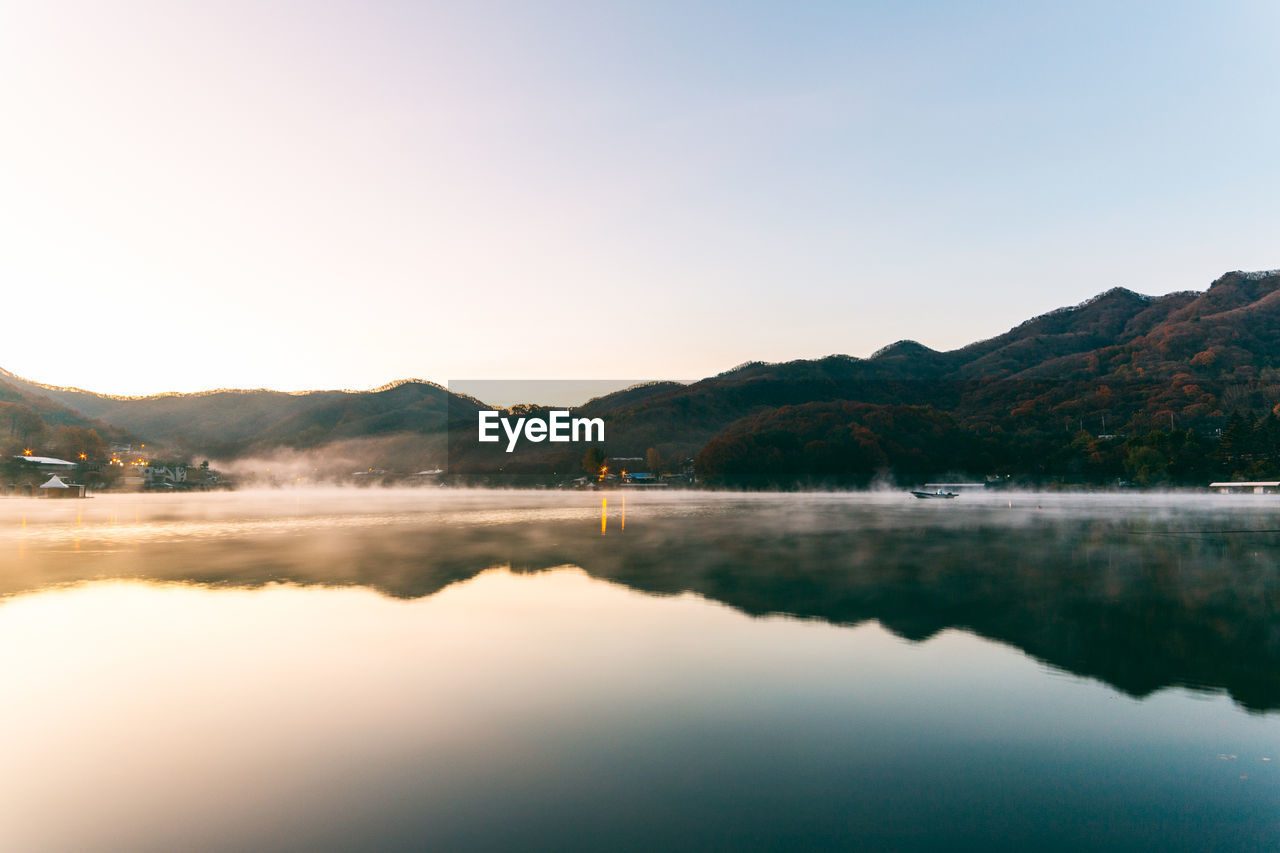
(338,194)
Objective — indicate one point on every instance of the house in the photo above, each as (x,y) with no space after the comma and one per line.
(169,474)
(48,464)
(642,479)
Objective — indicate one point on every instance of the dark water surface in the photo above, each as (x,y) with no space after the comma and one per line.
(558,671)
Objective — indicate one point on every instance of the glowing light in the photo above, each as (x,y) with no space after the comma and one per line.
(604,518)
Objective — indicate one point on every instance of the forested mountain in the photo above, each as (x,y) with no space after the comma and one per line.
(30,420)
(237,422)
(1122,385)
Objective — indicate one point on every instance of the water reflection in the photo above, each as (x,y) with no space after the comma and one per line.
(1139,595)
(489,672)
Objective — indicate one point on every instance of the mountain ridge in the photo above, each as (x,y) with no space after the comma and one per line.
(1181,357)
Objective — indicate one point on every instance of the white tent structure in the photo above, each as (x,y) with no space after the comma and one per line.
(55,488)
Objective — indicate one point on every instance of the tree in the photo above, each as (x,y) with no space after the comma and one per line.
(593,461)
(1237,443)
(24,424)
(653,459)
(69,442)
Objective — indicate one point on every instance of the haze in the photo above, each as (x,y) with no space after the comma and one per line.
(300,195)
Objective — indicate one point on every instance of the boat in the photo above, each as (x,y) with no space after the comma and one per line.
(938,494)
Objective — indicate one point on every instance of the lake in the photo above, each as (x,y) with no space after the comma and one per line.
(488,670)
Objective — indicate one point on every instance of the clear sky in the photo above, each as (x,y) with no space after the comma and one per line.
(337,194)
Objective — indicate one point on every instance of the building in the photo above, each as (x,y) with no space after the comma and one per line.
(56,488)
(172,475)
(48,464)
(1260,487)
(954,487)
(642,479)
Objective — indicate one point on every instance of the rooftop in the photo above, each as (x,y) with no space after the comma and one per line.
(46,460)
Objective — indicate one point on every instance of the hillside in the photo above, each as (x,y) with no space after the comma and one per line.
(229,424)
(1228,335)
(1118,364)
(33,420)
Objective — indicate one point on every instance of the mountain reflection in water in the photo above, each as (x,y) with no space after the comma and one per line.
(1141,593)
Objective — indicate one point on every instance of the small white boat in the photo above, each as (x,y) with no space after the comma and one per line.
(938,494)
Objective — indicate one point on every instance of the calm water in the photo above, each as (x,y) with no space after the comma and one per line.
(492,671)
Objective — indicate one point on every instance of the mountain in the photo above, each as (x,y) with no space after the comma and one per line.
(1230,332)
(1239,311)
(227,424)
(30,420)
(1120,363)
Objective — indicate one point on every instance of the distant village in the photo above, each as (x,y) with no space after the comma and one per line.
(128,468)
(632,472)
(134,468)
(598,471)
(123,468)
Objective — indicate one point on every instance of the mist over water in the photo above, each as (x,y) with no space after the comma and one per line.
(374,669)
